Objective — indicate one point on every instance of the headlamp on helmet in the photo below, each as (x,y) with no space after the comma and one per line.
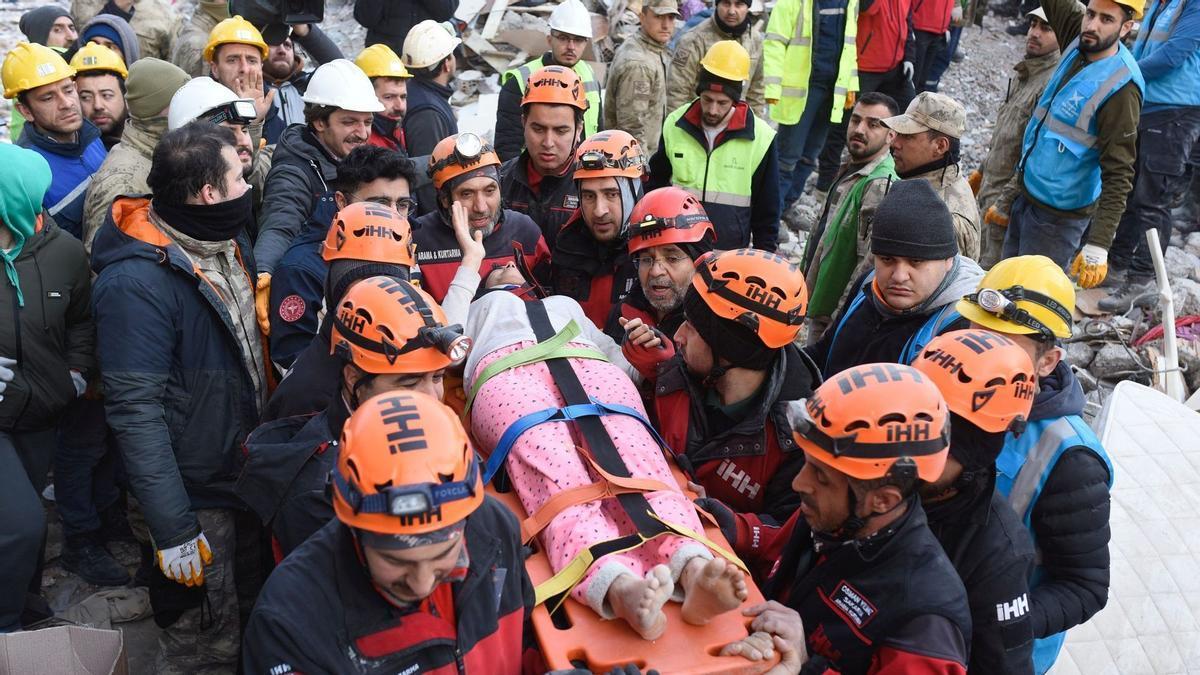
(1003,303)
(241,112)
(409,500)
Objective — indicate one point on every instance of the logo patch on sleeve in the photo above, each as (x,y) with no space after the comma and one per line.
(292,308)
(853,604)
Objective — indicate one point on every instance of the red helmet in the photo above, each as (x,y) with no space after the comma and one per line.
(668,215)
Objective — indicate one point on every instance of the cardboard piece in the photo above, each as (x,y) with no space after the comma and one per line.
(64,650)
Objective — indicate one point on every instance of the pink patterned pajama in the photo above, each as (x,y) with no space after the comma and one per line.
(543,462)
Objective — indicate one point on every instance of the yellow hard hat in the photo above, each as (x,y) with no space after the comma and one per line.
(29,66)
(1138,7)
(93,57)
(234,30)
(380,61)
(1025,295)
(728,60)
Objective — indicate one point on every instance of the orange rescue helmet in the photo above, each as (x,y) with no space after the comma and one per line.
(612,153)
(455,155)
(555,85)
(668,215)
(985,377)
(370,232)
(760,290)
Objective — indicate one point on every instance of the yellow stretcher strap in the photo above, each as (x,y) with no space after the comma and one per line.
(554,348)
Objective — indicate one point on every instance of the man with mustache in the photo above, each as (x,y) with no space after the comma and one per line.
(570,35)
(839,249)
(390,79)
(991,181)
(100,78)
(908,297)
(669,231)
(284,72)
(1077,156)
(43,86)
(299,193)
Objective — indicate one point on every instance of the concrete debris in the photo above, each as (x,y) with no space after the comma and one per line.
(1079,354)
(1114,362)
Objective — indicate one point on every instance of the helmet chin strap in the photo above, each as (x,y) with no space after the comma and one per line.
(716,373)
(847,531)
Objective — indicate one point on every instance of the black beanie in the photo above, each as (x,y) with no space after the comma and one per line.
(727,339)
(36,23)
(912,221)
(709,82)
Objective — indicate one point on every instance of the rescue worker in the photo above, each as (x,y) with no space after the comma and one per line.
(390,24)
(389,77)
(148,91)
(731,20)
(723,384)
(931,28)
(47,25)
(285,74)
(991,182)
(988,383)
(590,260)
(716,148)
(858,577)
(187,52)
(669,232)
(371,175)
(926,147)
(174,307)
(466,170)
(339,107)
(100,80)
(909,295)
(570,34)
(810,64)
(47,351)
(113,33)
(1167,50)
(839,250)
(154,21)
(43,86)
(537,182)
(636,83)
(421,571)
(288,460)
(235,54)
(429,55)
(1077,167)
(1056,475)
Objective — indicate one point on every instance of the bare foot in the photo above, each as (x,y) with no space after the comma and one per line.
(640,601)
(710,587)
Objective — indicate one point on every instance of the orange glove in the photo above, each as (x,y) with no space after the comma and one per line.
(851,97)
(975,180)
(994,217)
(262,302)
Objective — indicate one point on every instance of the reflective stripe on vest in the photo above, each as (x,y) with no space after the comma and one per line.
(787,61)
(1059,156)
(1178,86)
(1022,469)
(730,166)
(591,89)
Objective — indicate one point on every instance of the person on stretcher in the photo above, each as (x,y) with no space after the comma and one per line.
(632,585)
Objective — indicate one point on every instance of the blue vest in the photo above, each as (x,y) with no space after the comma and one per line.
(68,187)
(1060,156)
(1022,469)
(1180,86)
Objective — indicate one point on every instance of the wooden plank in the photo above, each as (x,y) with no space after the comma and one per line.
(493,21)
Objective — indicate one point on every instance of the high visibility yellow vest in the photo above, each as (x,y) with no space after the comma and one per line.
(787,60)
(591,89)
(723,176)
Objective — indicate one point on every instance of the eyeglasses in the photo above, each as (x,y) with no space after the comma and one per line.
(668,261)
(567,37)
(403,205)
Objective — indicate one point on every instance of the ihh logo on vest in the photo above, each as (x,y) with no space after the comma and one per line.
(738,478)
(1016,608)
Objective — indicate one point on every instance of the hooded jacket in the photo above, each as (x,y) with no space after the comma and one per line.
(52,334)
(72,165)
(299,187)
(130,49)
(179,397)
(867,332)
(154,21)
(123,172)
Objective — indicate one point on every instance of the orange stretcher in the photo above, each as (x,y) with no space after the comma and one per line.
(576,637)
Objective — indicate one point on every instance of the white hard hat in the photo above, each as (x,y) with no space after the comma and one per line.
(427,44)
(344,85)
(196,97)
(572,17)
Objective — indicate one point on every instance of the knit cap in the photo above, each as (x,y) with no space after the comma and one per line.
(36,23)
(150,86)
(707,81)
(912,221)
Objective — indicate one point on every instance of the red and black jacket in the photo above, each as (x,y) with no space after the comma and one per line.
(636,306)
(320,613)
(550,201)
(439,256)
(932,16)
(597,275)
(889,604)
(387,133)
(750,464)
(883,35)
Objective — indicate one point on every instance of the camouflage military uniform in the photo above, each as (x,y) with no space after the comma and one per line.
(123,172)
(1001,161)
(154,21)
(635,97)
(953,188)
(685,64)
(188,51)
